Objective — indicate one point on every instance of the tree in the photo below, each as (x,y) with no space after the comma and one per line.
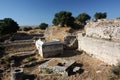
(43,26)
(99,15)
(82,18)
(63,18)
(27,28)
(8,26)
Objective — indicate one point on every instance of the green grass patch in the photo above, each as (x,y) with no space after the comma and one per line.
(30,58)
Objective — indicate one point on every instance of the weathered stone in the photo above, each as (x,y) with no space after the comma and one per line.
(57,65)
(107,51)
(17,74)
(105,29)
(24,36)
(30,64)
(48,31)
(12,57)
(21,55)
(2,61)
(49,49)
(76,69)
(2,69)
(102,40)
(25,54)
(13,63)
(98,71)
(71,42)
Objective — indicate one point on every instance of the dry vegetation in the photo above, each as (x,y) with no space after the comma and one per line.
(59,33)
(32,31)
(91,68)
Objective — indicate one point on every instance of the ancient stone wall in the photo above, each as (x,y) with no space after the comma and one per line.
(102,40)
(25,36)
(105,29)
(104,50)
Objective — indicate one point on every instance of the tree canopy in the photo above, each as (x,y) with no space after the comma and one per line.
(99,15)
(43,26)
(63,18)
(82,18)
(8,26)
(27,28)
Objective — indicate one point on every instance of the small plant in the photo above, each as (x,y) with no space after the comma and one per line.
(115,72)
(48,71)
(30,59)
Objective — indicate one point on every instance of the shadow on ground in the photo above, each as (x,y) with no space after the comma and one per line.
(80,71)
(69,53)
(29,77)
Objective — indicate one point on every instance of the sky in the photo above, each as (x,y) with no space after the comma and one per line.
(34,12)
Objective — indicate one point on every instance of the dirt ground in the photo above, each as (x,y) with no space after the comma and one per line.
(91,68)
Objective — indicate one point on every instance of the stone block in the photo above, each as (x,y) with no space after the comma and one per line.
(71,42)
(57,65)
(49,49)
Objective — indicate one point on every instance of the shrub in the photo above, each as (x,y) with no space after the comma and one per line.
(63,18)
(82,18)
(99,15)
(48,71)
(27,28)
(43,26)
(30,59)
(8,26)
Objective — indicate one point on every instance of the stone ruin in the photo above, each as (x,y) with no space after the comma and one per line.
(70,42)
(49,49)
(104,29)
(17,74)
(57,66)
(102,40)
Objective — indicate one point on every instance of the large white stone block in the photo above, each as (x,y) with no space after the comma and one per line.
(49,49)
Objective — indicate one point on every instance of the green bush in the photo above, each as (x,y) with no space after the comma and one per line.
(82,19)
(99,15)
(63,18)
(8,26)
(30,59)
(43,26)
(27,28)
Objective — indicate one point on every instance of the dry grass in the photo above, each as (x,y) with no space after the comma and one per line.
(92,68)
(57,33)
(33,31)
